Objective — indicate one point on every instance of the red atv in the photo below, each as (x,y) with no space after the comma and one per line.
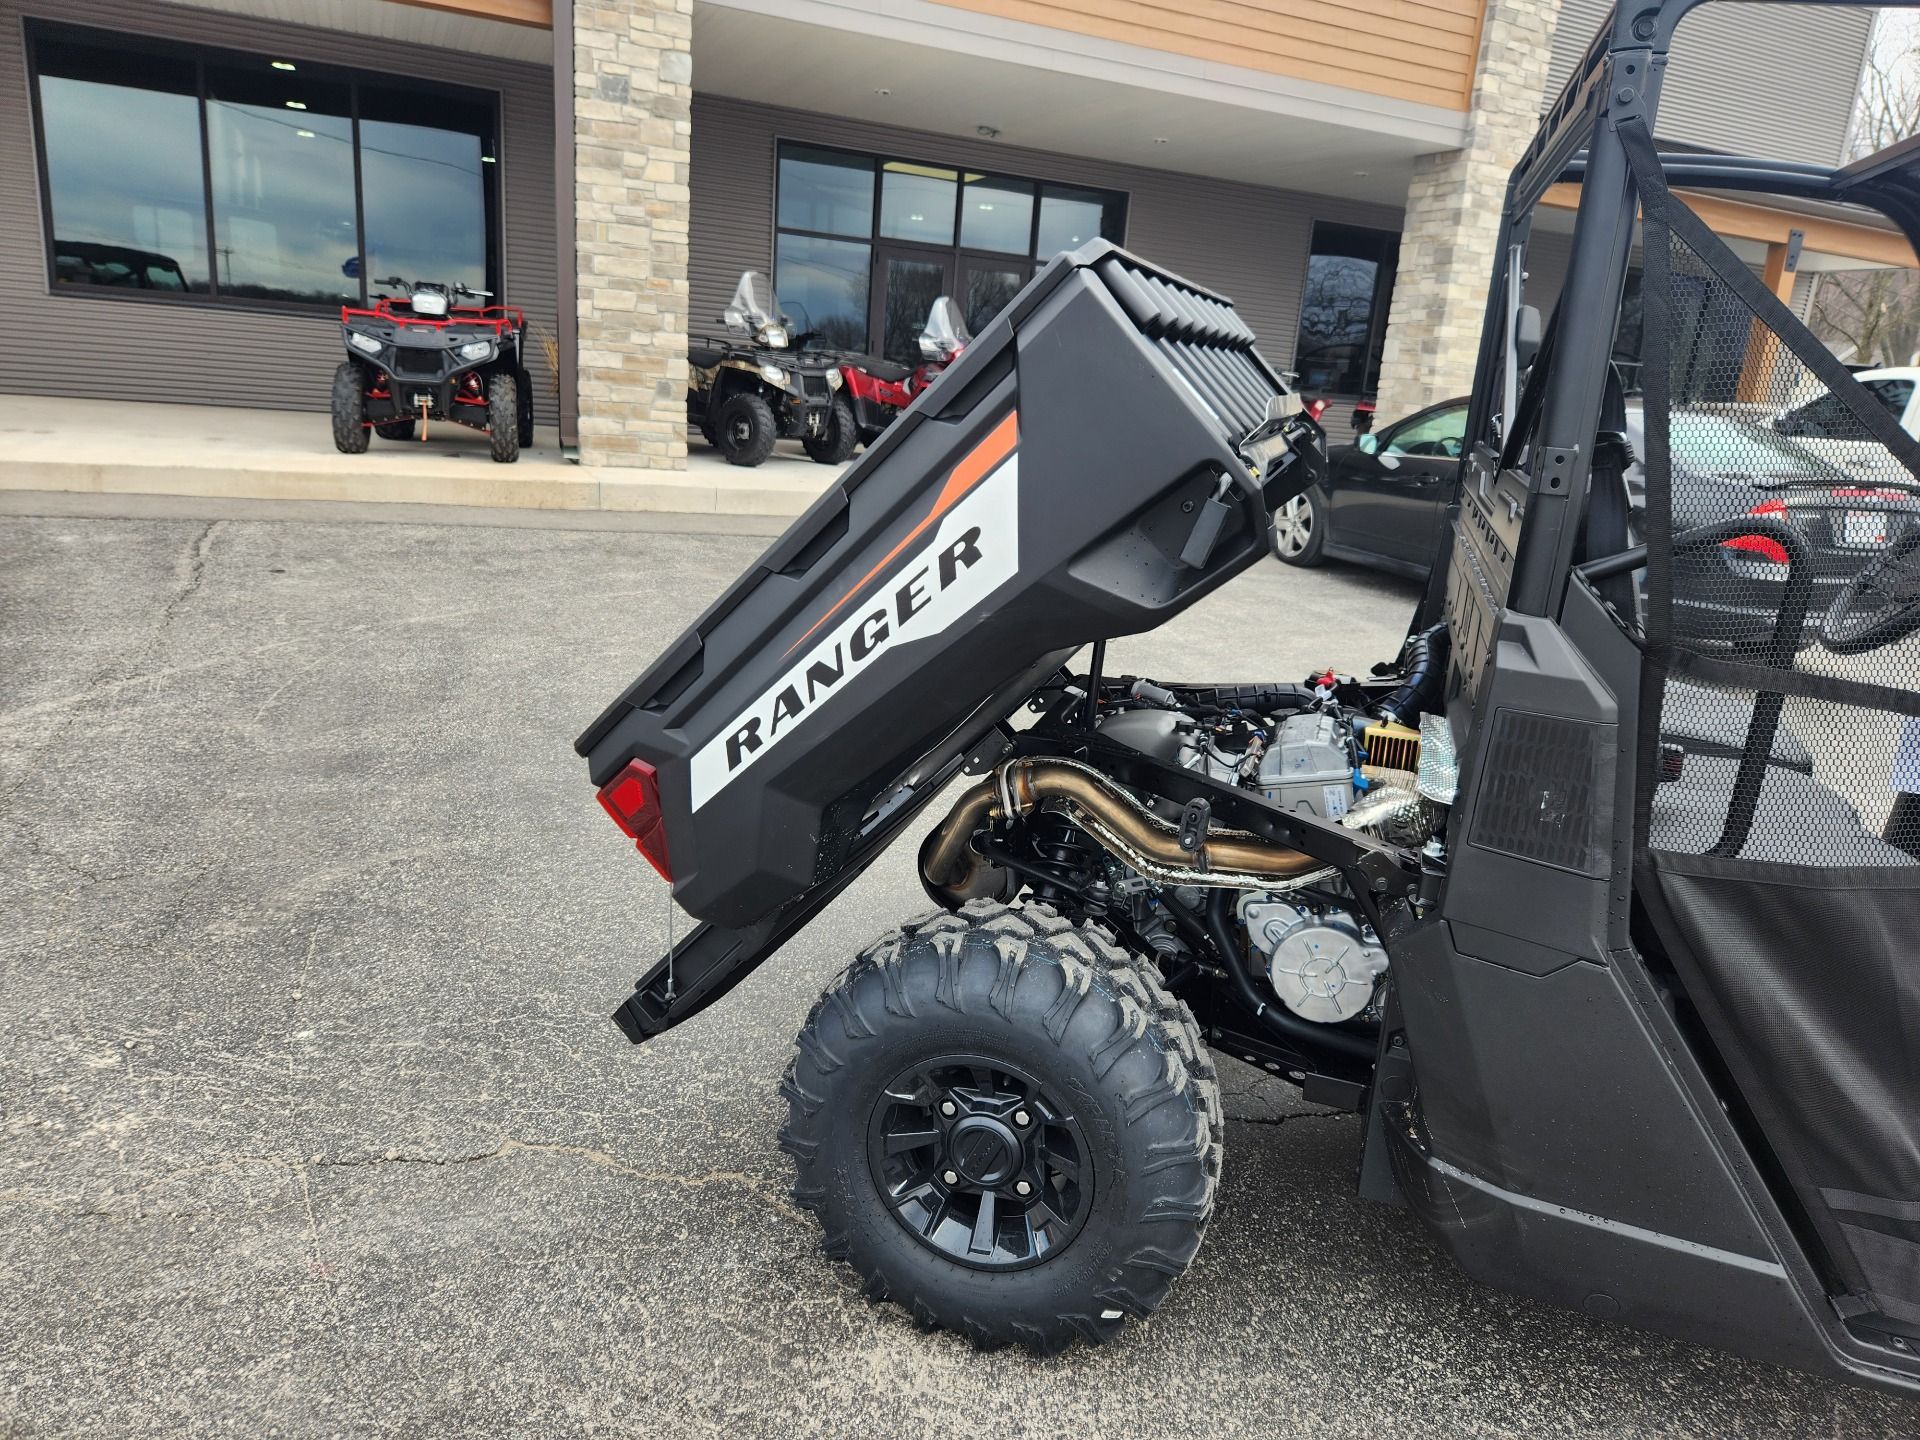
(420,357)
(879,390)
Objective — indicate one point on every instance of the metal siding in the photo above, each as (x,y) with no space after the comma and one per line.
(1774,80)
(74,345)
(1246,241)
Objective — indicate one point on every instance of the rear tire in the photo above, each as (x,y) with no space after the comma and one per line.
(503,419)
(349,410)
(1120,1144)
(1300,529)
(835,447)
(396,429)
(745,429)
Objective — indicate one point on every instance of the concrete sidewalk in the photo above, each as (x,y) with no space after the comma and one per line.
(111,447)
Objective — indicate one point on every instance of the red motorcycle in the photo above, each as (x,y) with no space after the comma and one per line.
(879,390)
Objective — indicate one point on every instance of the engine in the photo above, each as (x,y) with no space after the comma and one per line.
(1320,959)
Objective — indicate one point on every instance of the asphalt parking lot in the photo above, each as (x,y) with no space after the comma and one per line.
(314,1122)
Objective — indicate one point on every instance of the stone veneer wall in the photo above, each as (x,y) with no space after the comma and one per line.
(633,96)
(1453,215)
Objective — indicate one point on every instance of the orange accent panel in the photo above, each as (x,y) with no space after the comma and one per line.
(974,467)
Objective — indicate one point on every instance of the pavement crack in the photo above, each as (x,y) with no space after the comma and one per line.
(1273,1120)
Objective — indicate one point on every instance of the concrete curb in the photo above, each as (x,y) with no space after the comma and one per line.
(548,486)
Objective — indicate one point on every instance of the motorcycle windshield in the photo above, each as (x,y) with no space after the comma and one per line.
(755,303)
(946,333)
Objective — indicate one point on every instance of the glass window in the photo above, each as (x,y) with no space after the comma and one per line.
(1829,416)
(997,215)
(1343,309)
(1440,433)
(125,184)
(971,236)
(270,213)
(916,202)
(820,190)
(1070,218)
(423,164)
(829,279)
(281,151)
(989,289)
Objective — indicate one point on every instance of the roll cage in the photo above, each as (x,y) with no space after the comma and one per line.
(1618,79)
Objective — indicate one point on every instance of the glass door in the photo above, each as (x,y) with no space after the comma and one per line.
(907,279)
(987,286)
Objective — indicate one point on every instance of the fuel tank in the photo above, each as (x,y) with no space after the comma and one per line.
(1106,452)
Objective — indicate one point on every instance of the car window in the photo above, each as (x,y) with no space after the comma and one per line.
(1440,434)
(1721,445)
(1829,416)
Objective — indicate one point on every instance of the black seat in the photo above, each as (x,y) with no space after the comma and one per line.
(702,357)
(883,369)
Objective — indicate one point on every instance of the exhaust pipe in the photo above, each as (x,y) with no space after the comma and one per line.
(1229,859)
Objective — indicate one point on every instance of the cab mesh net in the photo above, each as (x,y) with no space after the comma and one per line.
(1778,809)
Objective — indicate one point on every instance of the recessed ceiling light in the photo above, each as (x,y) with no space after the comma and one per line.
(990,132)
(304,134)
(283,64)
(296,104)
(882,90)
(916,217)
(486,159)
(985,206)
(1159,139)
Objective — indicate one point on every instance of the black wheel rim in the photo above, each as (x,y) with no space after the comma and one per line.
(980,1162)
(740,431)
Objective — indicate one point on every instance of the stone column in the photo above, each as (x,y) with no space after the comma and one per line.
(633,92)
(1453,215)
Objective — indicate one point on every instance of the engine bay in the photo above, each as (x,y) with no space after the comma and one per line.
(1281,933)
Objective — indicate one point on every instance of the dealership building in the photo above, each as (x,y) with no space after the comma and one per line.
(192,188)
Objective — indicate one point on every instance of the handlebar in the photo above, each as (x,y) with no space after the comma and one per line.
(396,282)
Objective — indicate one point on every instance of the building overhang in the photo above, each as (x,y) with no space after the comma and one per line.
(928,66)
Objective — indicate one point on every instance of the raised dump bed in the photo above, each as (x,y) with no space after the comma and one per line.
(1105,453)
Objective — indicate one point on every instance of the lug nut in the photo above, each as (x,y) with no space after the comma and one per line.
(1023,1188)
(951,1178)
(1020,1117)
(947,1107)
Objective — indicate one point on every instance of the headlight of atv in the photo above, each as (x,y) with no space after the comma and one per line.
(774,375)
(774,337)
(476,350)
(834,379)
(364,342)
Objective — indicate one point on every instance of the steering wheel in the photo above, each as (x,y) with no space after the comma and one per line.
(1881,604)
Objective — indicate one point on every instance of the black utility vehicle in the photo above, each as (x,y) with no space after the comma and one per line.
(422,356)
(763,385)
(1604,933)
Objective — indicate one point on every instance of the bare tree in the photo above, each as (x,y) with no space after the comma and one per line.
(1875,314)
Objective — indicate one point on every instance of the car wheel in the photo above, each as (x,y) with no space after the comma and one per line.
(1006,1126)
(349,410)
(1300,529)
(842,434)
(503,419)
(746,430)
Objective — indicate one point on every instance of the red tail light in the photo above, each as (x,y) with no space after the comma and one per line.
(1316,408)
(1760,545)
(632,798)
